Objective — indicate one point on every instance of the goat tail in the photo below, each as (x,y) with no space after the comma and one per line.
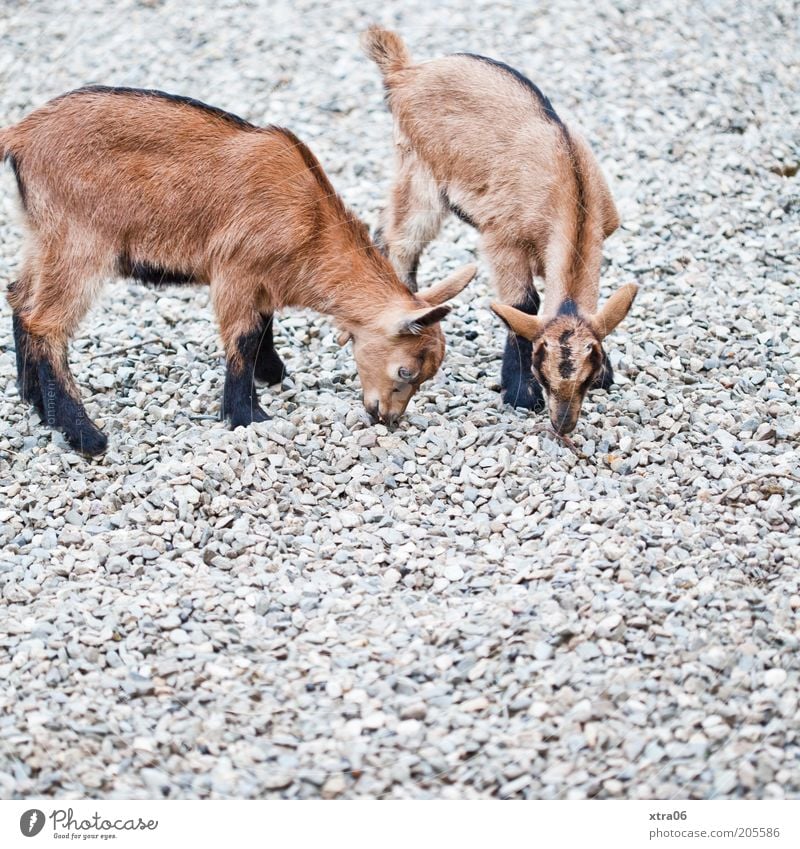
(386,49)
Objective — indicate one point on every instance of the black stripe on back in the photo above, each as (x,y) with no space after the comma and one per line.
(546,105)
(355,225)
(552,115)
(172,98)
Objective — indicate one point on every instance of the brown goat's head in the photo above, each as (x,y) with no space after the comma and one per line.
(567,355)
(402,346)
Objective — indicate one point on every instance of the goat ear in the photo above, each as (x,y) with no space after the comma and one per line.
(614,310)
(527,326)
(343,337)
(449,287)
(414,322)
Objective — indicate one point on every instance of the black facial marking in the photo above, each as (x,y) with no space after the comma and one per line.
(13,161)
(566,367)
(163,95)
(538,362)
(545,103)
(568,307)
(269,367)
(62,411)
(239,400)
(520,389)
(153,275)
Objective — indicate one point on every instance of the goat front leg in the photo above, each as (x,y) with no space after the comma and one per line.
(513,281)
(239,400)
(269,368)
(414,216)
(242,329)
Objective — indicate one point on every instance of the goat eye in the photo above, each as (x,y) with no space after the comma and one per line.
(404,373)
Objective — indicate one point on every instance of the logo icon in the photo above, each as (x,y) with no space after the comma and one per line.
(31,822)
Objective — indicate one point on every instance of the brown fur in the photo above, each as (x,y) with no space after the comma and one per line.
(479,139)
(117,178)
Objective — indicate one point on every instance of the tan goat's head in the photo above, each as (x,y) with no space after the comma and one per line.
(402,346)
(567,354)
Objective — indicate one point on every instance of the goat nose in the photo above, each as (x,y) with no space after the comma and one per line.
(392,419)
(563,423)
(373,413)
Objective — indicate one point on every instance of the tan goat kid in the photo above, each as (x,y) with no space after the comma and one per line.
(476,138)
(166,189)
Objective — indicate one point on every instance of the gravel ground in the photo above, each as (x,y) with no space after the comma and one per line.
(461,608)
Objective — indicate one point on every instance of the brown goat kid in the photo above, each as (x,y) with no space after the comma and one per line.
(476,138)
(166,189)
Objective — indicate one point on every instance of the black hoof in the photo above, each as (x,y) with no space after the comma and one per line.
(245,416)
(88,441)
(270,370)
(605,380)
(527,395)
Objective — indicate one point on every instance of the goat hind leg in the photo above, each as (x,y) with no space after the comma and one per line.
(27,367)
(57,299)
(62,408)
(414,217)
(30,389)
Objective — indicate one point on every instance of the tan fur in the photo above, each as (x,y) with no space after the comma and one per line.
(471,135)
(249,211)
